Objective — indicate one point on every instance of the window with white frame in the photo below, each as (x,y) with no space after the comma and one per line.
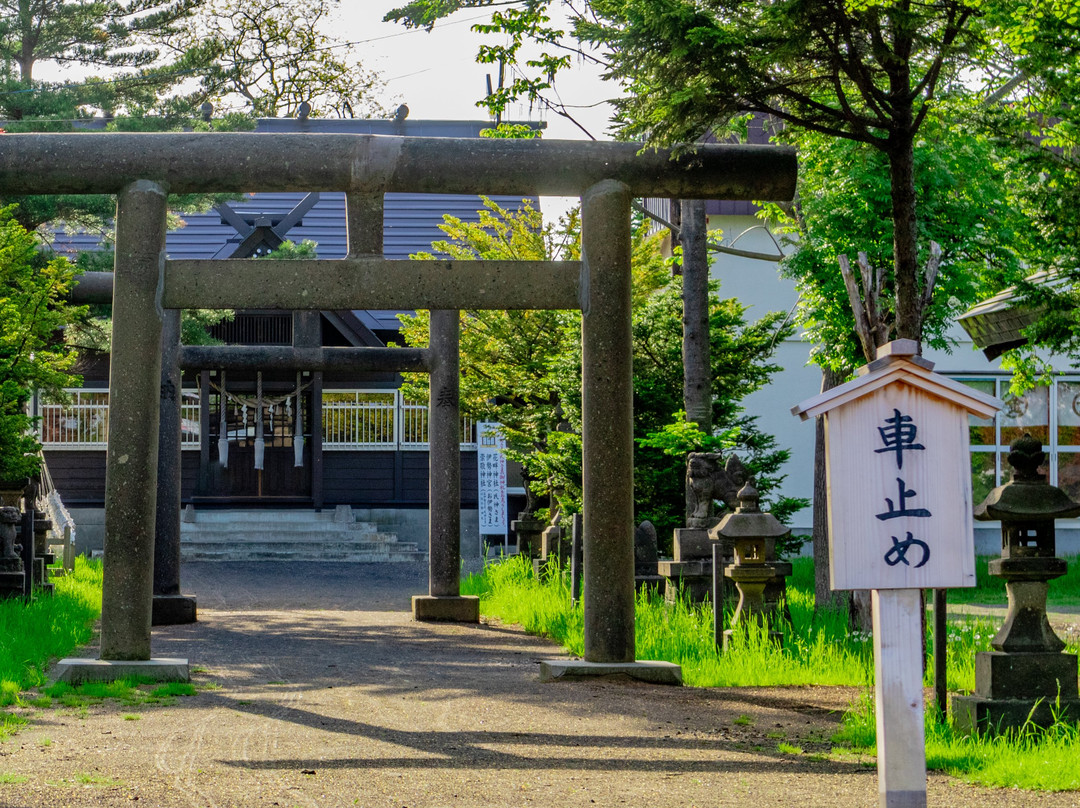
(1050,413)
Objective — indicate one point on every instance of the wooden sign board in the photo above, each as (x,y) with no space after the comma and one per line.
(898,472)
(900,520)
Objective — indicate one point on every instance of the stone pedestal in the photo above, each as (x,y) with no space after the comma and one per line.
(173,610)
(449,609)
(1012,688)
(74,670)
(528,532)
(11,584)
(751,580)
(553,547)
(692,578)
(691,544)
(12,572)
(659,673)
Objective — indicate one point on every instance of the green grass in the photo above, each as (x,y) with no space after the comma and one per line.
(817,649)
(129,691)
(1064,591)
(1030,759)
(31,635)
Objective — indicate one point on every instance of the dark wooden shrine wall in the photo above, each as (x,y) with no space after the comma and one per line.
(384,479)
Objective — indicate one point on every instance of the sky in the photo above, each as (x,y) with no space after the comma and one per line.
(436,73)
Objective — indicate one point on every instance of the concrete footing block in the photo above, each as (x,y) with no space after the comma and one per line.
(461,609)
(173,610)
(660,673)
(162,669)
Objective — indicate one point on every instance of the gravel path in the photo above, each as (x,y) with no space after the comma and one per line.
(324,693)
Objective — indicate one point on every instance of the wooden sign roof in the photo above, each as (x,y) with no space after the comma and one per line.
(898,363)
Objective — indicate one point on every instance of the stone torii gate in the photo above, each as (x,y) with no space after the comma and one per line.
(142,169)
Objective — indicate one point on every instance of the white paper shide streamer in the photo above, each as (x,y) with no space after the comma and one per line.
(298,430)
(260,443)
(223,432)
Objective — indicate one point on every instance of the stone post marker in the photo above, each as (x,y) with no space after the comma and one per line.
(899,481)
(11,565)
(1026,677)
(444,600)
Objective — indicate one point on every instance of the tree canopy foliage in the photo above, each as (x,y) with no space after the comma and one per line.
(269,57)
(1035,120)
(523,368)
(32,308)
(121,37)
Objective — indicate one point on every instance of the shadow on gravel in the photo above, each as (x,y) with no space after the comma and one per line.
(472,750)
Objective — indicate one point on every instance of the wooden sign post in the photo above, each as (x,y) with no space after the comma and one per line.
(898,476)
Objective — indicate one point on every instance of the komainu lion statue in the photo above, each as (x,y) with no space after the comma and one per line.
(708,479)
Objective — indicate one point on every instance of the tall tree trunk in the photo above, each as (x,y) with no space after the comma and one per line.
(697,376)
(824,596)
(905,237)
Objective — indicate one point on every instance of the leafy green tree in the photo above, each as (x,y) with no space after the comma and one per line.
(523,368)
(32,311)
(843,208)
(1032,113)
(272,56)
(98,34)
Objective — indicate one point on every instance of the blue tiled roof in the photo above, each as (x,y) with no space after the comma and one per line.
(410,221)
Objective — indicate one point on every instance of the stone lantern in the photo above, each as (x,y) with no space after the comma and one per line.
(1026,675)
(752,535)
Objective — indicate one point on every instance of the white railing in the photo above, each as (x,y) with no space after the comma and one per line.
(83,421)
(352,419)
(414,425)
(189,419)
(356,419)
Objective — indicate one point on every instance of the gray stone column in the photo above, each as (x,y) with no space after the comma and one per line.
(607,425)
(169,606)
(134,393)
(444,442)
(443,601)
(364,224)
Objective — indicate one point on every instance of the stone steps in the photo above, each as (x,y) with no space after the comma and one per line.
(288,535)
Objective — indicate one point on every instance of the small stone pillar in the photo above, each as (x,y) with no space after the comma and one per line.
(1025,677)
(753,535)
(646,556)
(11,565)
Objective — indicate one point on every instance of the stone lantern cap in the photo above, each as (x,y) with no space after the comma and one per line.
(1028,497)
(748,522)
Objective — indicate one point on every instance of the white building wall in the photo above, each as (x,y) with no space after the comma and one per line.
(758,285)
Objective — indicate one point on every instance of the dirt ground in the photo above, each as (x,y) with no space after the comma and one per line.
(318,690)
